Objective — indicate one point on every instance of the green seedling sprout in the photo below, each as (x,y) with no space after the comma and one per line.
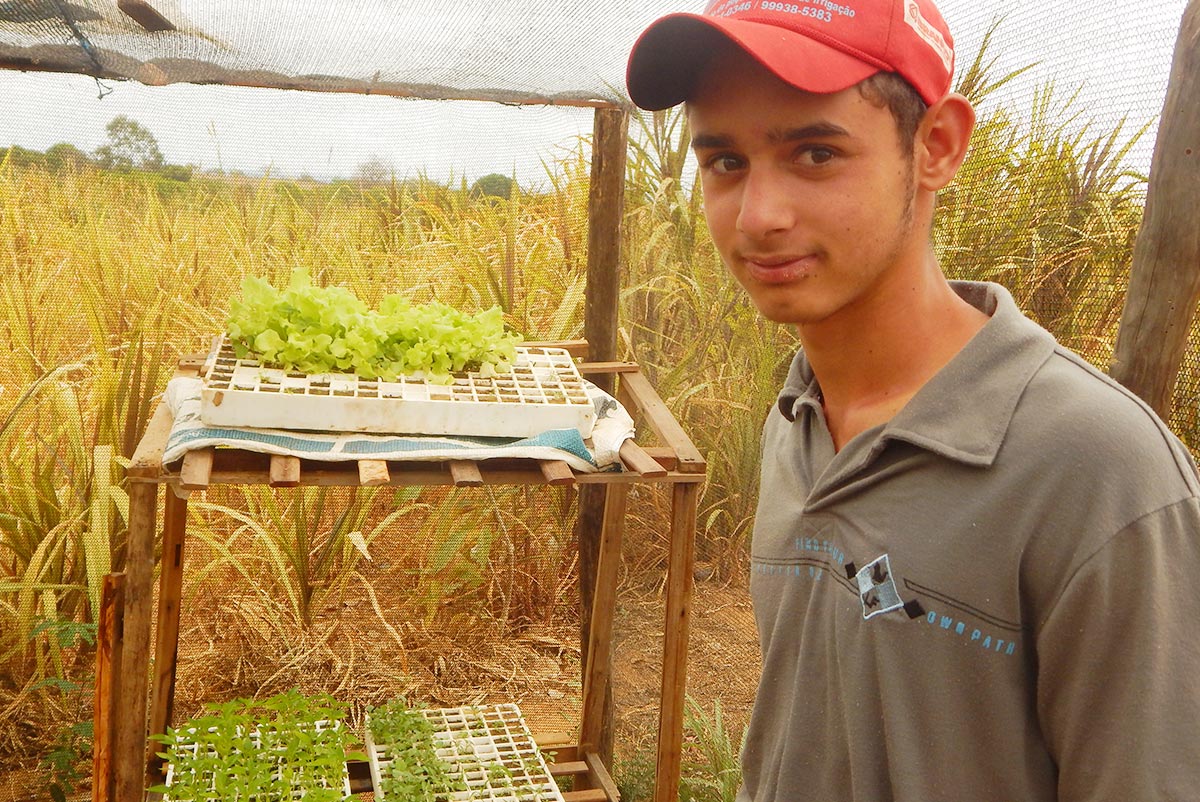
(259,751)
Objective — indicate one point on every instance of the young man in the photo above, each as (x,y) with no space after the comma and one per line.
(975,556)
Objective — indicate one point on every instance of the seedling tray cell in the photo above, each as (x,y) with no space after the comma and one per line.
(543,391)
(489,749)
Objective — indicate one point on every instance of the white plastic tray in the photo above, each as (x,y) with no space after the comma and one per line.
(488,747)
(544,391)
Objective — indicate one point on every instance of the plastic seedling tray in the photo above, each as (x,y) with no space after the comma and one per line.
(488,749)
(543,391)
(266,761)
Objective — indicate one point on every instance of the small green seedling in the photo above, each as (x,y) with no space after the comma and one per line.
(281,748)
(472,754)
(414,770)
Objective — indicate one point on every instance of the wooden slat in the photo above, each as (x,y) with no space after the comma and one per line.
(373,472)
(192,363)
(285,471)
(166,651)
(576,348)
(135,662)
(558,745)
(600,777)
(680,570)
(196,472)
(147,458)
(599,648)
(567,768)
(465,473)
(431,477)
(648,402)
(145,15)
(594,368)
(107,701)
(588,795)
(637,460)
(556,472)
(663,455)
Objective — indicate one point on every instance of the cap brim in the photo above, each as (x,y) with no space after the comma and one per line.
(670,55)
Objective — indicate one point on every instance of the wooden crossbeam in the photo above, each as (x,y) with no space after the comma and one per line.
(465,473)
(557,472)
(598,774)
(590,795)
(637,460)
(197,469)
(285,471)
(373,472)
(604,368)
(647,401)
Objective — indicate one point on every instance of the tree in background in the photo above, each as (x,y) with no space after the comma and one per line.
(493,185)
(375,171)
(65,156)
(130,145)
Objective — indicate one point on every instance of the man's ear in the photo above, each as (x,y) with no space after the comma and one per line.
(942,139)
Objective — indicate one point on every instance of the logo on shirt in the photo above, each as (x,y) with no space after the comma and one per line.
(877,588)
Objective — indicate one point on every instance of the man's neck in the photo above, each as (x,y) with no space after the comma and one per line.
(871,359)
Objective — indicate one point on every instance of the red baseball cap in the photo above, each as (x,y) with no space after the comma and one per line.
(814,45)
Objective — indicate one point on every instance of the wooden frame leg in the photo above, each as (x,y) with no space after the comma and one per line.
(135,663)
(166,650)
(675,641)
(599,653)
(107,706)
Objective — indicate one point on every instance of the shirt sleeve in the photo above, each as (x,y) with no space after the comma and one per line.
(1118,662)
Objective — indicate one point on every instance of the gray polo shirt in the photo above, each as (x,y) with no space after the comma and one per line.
(992,597)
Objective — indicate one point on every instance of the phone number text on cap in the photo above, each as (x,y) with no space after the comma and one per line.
(804,11)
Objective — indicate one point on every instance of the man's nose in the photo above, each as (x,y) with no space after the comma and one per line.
(766,206)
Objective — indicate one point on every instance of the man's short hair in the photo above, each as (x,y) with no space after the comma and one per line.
(889,90)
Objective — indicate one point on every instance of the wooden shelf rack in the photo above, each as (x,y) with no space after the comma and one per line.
(134,702)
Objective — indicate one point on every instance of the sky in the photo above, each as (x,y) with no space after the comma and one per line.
(1117,55)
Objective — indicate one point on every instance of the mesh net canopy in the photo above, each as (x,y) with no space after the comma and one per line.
(516,52)
(471,597)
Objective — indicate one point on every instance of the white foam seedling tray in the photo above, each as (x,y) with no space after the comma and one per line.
(544,391)
(488,747)
(267,758)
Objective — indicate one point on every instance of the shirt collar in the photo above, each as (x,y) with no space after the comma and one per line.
(964,411)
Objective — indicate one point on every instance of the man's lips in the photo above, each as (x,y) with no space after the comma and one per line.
(779,269)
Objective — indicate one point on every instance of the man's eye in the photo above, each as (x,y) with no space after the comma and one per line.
(724,164)
(817,155)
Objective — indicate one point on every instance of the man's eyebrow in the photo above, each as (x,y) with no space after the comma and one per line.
(820,130)
(711,141)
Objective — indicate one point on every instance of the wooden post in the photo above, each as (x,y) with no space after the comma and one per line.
(145,15)
(107,703)
(680,570)
(135,663)
(598,666)
(170,594)
(610,138)
(1164,285)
